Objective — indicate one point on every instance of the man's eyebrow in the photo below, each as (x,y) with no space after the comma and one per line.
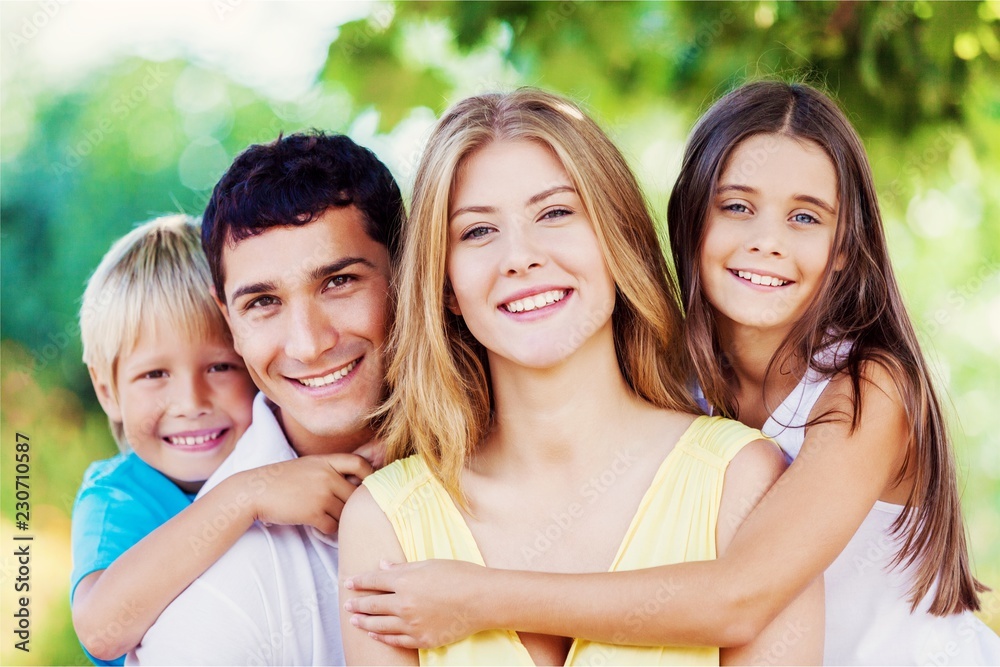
(338,266)
(253,288)
(541,196)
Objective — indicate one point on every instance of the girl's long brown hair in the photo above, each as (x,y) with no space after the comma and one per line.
(440,405)
(860,305)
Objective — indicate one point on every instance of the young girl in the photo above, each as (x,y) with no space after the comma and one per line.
(178,398)
(538,371)
(796,325)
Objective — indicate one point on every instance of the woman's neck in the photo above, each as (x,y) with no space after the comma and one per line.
(570,415)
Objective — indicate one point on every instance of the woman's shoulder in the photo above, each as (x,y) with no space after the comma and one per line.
(392,485)
(724,438)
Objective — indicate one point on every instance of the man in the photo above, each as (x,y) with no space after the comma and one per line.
(300,235)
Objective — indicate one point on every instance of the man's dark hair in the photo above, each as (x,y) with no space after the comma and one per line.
(294,180)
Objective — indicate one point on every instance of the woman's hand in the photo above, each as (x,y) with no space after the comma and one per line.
(425,604)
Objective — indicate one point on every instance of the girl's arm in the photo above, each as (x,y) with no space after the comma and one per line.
(794,533)
(113,608)
(366,538)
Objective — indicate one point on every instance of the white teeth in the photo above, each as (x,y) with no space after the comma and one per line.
(757,279)
(536,301)
(190,441)
(331,378)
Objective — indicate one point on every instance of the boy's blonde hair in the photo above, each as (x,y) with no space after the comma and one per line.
(156,270)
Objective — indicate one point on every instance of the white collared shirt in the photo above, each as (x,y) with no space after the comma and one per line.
(272,599)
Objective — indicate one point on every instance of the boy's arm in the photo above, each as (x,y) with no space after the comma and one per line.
(113,608)
(789,539)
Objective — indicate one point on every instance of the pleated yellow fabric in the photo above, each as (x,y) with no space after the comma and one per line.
(675,522)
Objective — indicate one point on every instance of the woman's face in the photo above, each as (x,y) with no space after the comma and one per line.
(769,232)
(526,269)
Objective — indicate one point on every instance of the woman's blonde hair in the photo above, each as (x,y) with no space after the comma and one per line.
(440,404)
(157,270)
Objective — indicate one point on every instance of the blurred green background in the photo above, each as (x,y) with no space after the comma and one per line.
(113,113)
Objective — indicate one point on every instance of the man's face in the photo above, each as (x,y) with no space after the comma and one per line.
(307,306)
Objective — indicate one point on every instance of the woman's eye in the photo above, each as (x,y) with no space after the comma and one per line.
(476,233)
(804,218)
(736,208)
(556,213)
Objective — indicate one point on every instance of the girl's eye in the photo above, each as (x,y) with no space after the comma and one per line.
(805,218)
(340,280)
(262,302)
(736,208)
(476,233)
(556,213)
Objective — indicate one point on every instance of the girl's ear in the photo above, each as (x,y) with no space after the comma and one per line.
(450,301)
(105,396)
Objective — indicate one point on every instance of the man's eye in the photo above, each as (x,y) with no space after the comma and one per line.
(262,302)
(341,280)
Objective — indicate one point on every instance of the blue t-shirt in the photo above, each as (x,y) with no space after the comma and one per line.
(121,500)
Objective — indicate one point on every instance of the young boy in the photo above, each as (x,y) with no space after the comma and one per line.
(178,398)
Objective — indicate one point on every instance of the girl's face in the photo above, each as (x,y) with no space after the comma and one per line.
(769,232)
(524,263)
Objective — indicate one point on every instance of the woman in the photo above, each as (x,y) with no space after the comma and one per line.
(538,381)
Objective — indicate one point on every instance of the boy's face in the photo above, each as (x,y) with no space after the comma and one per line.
(308,308)
(183,403)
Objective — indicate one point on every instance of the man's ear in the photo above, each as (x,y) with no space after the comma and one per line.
(106,397)
(450,301)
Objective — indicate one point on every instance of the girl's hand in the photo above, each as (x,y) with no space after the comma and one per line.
(425,604)
(308,491)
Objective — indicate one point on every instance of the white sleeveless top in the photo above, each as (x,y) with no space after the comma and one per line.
(868,619)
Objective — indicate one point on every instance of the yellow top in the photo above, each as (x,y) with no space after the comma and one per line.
(675,522)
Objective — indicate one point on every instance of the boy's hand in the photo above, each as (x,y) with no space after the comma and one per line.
(308,491)
(424,604)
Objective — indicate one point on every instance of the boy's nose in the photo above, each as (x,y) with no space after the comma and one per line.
(191,399)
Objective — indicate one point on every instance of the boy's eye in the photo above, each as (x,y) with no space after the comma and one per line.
(154,375)
(804,218)
(477,232)
(221,367)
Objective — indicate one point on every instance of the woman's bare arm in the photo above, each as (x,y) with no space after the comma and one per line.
(801,525)
(366,538)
